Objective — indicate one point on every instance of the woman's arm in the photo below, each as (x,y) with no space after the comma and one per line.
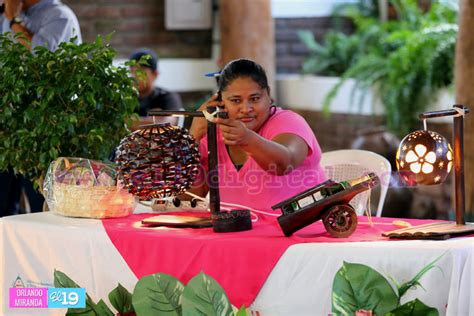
(200,190)
(279,155)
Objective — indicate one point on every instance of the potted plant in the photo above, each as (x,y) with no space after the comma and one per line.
(70,102)
(404,63)
(161,293)
(326,63)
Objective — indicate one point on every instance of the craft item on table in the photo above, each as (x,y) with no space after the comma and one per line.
(157,161)
(222,221)
(177,221)
(79,187)
(425,157)
(328,201)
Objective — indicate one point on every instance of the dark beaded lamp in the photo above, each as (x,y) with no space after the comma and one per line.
(157,161)
(235,220)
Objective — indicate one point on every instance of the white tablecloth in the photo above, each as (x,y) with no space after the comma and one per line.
(34,245)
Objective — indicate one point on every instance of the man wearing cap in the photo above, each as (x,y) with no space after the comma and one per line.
(151,96)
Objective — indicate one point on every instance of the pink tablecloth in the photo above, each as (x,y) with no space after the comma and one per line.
(240,262)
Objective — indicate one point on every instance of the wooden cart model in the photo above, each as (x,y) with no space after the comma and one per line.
(339,218)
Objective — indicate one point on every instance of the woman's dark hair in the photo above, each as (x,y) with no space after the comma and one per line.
(242,68)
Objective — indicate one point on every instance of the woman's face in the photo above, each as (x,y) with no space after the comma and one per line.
(247,102)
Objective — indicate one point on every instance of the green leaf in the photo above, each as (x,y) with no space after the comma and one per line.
(242,311)
(413,282)
(204,296)
(307,38)
(158,293)
(50,64)
(413,308)
(109,36)
(121,299)
(82,312)
(357,286)
(61,280)
(103,310)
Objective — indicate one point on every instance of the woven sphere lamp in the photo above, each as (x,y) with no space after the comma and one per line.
(424,157)
(157,161)
(234,220)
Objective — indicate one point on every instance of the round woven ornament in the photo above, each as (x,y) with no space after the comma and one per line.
(157,161)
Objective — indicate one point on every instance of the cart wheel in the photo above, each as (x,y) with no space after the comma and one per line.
(340,221)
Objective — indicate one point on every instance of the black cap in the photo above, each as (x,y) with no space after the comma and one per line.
(151,62)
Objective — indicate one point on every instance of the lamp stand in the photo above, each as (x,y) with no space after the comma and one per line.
(450,229)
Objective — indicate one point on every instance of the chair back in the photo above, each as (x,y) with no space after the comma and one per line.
(348,164)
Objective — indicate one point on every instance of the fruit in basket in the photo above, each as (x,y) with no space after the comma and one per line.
(86,173)
(80,176)
(79,187)
(65,177)
(86,178)
(105,179)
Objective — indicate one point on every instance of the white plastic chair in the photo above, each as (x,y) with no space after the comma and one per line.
(347,164)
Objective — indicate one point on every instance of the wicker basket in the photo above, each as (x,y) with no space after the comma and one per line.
(93,202)
(90,200)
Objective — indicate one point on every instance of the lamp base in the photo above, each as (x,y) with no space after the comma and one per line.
(222,222)
(233,221)
(177,221)
(432,231)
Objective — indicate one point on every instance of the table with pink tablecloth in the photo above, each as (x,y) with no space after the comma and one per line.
(275,275)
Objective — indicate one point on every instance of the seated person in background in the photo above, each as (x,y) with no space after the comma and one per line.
(265,154)
(151,96)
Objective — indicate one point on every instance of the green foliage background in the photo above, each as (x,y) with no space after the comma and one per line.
(70,102)
(407,60)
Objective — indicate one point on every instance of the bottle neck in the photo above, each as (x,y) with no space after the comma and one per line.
(353,182)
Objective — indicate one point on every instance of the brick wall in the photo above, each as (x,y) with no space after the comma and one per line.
(290,51)
(142,23)
(139,23)
(338,131)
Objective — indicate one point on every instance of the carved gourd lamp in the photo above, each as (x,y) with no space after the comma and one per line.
(425,158)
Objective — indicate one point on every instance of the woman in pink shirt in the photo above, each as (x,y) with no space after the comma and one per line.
(265,154)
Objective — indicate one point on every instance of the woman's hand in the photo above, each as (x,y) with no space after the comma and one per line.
(234,132)
(199,125)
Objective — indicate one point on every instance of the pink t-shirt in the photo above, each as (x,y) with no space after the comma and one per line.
(254,187)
